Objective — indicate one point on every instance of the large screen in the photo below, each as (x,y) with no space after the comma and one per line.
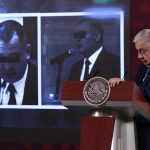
(55,31)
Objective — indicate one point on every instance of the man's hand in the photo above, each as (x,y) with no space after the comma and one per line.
(114,81)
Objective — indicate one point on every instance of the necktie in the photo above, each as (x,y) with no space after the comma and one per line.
(146,74)
(86,74)
(12,90)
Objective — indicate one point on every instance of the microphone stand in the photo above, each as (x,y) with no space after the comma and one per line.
(59,60)
(58,79)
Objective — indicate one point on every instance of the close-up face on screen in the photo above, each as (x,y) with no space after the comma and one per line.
(43,43)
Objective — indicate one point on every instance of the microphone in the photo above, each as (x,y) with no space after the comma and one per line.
(60,58)
(125,74)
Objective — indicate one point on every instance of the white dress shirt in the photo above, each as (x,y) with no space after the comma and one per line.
(19,86)
(92,60)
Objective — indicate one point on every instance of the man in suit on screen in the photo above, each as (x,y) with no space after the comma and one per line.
(100,62)
(18,77)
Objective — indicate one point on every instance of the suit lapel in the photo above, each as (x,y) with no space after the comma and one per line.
(98,64)
(30,93)
(80,66)
(147,77)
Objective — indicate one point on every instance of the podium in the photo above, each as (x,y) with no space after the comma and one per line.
(111,126)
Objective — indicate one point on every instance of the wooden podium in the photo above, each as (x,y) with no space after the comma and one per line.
(110,127)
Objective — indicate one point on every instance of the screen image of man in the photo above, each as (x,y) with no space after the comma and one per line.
(18,77)
(96,60)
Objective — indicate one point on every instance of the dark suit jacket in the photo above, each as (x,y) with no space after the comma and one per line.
(144,86)
(142,124)
(107,65)
(31,89)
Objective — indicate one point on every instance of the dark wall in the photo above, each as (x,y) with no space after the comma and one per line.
(140,10)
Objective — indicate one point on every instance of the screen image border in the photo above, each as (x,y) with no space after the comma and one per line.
(103,13)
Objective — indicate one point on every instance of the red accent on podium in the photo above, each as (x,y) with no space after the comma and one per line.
(125,91)
(96,133)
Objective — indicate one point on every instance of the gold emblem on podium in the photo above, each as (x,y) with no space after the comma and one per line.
(96,91)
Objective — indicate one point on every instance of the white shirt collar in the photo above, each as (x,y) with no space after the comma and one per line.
(94,56)
(92,60)
(21,81)
(19,86)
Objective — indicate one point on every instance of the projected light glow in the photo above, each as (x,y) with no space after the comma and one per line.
(102,1)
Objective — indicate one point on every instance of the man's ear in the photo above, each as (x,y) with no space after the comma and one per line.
(28,51)
(98,36)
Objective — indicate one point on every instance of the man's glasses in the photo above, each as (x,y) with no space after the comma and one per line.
(80,35)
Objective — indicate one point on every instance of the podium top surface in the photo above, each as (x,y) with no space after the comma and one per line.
(125,98)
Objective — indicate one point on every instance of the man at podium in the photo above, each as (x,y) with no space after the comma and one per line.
(142,45)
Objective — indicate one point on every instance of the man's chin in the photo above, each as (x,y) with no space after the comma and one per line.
(83,52)
(144,63)
(10,80)
(148,65)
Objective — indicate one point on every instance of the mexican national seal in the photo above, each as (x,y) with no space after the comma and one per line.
(96,91)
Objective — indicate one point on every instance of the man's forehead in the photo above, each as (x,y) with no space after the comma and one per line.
(14,39)
(84,26)
(142,44)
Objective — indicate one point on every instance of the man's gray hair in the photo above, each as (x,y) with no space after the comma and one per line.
(143,34)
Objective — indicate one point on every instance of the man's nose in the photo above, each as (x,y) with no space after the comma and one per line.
(78,41)
(140,56)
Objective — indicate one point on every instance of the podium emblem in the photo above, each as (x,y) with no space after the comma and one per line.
(96,91)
